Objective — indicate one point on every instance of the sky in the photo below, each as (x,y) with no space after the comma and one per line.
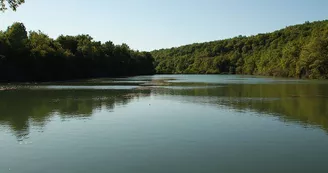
(154,24)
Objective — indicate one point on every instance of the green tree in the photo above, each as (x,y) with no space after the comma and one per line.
(295,51)
(314,59)
(17,37)
(37,57)
(13,4)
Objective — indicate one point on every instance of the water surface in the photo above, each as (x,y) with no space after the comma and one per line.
(165,123)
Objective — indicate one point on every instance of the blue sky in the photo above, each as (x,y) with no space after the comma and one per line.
(155,24)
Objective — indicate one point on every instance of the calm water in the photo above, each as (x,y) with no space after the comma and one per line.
(189,124)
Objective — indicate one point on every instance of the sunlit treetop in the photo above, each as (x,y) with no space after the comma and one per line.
(13,4)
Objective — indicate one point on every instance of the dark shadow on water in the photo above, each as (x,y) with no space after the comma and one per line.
(19,109)
(305,104)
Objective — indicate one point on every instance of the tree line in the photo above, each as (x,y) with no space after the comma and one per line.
(34,56)
(299,51)
(296,51)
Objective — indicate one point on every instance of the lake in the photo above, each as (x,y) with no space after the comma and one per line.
(165,124)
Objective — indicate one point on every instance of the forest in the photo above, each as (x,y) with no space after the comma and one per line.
(299,51)
(34,56)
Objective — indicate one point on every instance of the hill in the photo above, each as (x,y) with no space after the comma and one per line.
(296,51)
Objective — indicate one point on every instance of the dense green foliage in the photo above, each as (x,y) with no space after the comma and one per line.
(34,56)
(296,51)
(13,4)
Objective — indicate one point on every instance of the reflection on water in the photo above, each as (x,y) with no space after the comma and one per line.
(221,79)
(19,109)
(245,125)
(303,103)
